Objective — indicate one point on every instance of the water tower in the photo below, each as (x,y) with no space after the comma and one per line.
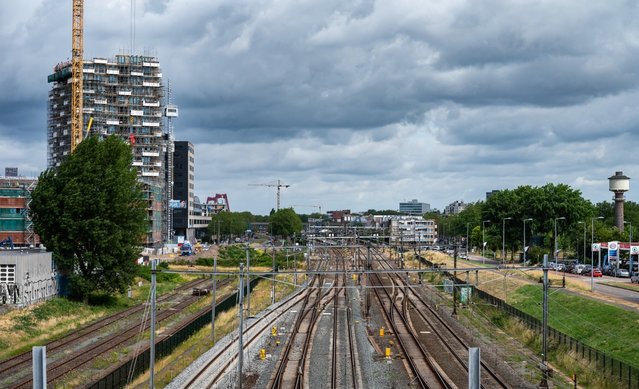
(619,184)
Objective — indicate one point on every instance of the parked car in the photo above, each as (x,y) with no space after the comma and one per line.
(560,267)
(578,269)
(622,273)
(635,278)
(596,272)
(586,270)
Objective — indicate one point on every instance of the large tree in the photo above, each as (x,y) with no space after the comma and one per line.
(285,223)
(91,213)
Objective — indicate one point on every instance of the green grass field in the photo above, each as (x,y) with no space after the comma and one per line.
(602,326)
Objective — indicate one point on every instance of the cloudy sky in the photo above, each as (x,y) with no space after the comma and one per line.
(358,104)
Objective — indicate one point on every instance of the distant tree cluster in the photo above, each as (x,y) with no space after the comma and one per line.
(543,205)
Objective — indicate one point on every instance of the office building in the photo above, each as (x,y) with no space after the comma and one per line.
(414,207)
(190,219)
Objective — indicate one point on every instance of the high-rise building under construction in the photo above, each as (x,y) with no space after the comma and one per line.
(124,97)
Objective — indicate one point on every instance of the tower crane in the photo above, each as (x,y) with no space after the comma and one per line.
(279,185)
(77,54)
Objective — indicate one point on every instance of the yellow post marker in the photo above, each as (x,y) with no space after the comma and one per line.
(274,331)
(388,353)
(354,277)
(381,331)
(262,353)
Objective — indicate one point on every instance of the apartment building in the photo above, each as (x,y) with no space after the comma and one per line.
(124,96)
(15,224)
(412,230)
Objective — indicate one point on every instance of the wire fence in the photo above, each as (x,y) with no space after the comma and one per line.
(118,376)
(626,374)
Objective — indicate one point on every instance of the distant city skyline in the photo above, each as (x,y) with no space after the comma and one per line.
(358,105)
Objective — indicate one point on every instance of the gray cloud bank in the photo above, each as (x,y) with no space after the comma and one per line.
(360,104)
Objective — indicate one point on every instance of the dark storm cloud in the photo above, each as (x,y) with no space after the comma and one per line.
(410,94)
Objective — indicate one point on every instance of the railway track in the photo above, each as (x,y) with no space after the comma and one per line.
(424,369)
(220,364)
(342,320)
(448,339)
(69,361)
(290,371)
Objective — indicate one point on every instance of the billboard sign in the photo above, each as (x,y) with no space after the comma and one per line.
(596,247)
(613,251)
(634,250)
(177,204)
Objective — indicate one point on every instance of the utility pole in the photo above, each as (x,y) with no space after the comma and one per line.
(544,348)
(152,346)
(248,284)
(273,278)
(213,302)
(240,352)
(455,281)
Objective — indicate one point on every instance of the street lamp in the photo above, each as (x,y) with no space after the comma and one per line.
(592,252)
(584,223)
(556,249)
(524,246)
(630,249)
(503,239)
(467,227)
(483,240)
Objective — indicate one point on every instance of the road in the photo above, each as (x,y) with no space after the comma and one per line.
(601,291)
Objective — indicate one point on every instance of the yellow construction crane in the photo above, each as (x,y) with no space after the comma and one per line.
(77,54)
(278,186)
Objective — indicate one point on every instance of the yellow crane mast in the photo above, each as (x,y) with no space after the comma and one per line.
(77,54)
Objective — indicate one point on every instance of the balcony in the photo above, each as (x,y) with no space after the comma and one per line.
(135,112)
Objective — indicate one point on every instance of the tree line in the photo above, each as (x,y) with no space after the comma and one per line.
(504,212)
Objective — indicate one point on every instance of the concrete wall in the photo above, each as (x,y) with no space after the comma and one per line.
(35,278)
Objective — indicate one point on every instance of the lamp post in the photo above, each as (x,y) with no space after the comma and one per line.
(483,240)
(630,249)
(592,253)
(556,249)
(524,246)
(467,228)
(584,223)
(503,239)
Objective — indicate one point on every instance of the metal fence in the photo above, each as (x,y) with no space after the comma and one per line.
(118,377)
(626,374)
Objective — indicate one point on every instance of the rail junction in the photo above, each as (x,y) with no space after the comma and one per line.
(358,321)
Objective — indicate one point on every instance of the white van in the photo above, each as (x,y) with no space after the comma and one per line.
(578,269)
